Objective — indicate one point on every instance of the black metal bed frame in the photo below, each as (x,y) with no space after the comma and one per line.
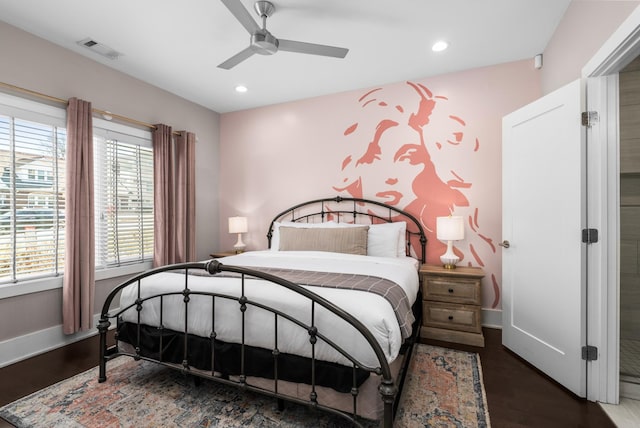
(388,386)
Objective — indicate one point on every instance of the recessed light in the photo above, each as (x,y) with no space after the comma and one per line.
(241,88)
(439,46)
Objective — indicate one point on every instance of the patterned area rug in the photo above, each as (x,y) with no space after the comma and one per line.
(443,388)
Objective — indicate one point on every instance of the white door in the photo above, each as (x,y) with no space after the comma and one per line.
(543,270)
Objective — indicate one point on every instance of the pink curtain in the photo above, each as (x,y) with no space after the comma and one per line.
(185,197)
(163,197)
(79,264)
(174,196)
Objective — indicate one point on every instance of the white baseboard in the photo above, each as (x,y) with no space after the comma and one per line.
(492,318)
(38,342)
(629,390)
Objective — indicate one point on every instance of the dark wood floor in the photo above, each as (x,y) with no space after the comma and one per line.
(517,394)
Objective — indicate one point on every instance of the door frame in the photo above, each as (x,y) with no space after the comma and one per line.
(603,210)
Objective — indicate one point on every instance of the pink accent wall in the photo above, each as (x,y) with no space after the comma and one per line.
(431,146)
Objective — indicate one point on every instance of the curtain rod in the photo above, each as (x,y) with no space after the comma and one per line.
(94,110)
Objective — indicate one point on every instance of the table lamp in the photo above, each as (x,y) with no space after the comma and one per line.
(449,229)
(238,225)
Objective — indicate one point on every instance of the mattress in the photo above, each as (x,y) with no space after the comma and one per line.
(200,318)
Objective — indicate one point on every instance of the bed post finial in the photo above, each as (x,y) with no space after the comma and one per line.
(213,267)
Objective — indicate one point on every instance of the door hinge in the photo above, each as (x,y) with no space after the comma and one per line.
(589,353)
(589,236)
(589,118)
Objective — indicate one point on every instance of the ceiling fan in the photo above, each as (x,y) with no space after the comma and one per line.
(263,42)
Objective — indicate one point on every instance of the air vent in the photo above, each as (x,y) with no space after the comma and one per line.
(99,48)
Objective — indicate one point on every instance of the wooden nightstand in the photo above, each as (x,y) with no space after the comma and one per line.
(451,304)
(221,254)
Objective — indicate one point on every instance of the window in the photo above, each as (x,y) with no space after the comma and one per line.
(124,195)
(32,161)
(32,188)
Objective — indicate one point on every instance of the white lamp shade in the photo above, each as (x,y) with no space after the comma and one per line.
(238,225)
(450,228)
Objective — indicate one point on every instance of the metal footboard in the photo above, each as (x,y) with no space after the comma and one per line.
(387,389)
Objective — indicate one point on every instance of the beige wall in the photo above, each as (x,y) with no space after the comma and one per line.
(38,65)
(584,28)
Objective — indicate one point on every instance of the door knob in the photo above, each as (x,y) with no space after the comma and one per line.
(504,244)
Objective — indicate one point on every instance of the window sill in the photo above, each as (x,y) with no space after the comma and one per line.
(28,287)
(122,270)
(44,284)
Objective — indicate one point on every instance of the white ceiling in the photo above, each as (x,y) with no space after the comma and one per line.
(177,45)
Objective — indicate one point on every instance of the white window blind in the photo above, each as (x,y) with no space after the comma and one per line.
(32,201)
(32,161)
(123,195)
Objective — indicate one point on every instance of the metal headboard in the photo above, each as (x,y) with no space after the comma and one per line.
(355,210)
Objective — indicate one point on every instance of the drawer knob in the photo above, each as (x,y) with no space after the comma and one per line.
(450,317)
(451,290)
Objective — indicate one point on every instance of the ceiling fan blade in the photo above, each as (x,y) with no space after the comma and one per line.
(242,15)
(311,48)
(237,58)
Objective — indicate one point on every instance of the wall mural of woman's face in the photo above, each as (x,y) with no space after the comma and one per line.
(391,151)
(389,156)
(388,165)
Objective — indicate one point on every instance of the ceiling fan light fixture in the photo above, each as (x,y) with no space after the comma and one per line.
(439,46)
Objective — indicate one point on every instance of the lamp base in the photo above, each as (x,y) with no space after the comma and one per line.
(449,262)
(449,259)
(239,246)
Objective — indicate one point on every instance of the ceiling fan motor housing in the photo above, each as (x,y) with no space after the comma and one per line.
(264,43)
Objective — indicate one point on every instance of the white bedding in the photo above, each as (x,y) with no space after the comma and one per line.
(372,310)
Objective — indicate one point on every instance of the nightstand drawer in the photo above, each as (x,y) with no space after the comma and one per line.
(454,290)
(455,317)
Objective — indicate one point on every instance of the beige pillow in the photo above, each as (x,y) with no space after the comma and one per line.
(349,240)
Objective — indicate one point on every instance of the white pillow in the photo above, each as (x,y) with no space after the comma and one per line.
(402,238)
(275,236)
(387,239)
